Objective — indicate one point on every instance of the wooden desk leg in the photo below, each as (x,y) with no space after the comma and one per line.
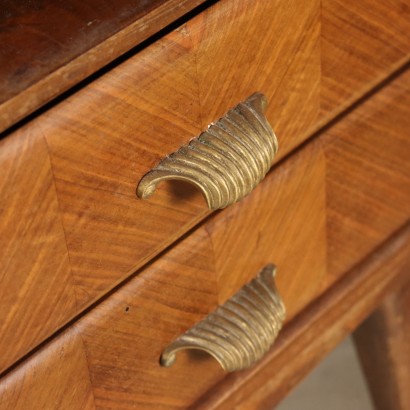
(383,345)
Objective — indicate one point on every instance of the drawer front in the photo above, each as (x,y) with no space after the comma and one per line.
(105,139)
(292,219)
(121,339)
(69,191)
(363,42)
(368,176)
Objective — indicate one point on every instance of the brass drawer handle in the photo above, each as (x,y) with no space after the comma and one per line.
(227,161)
(241,331)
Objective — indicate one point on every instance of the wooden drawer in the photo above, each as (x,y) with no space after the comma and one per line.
(109,358)
(69,175)
(75,168)
(115,348)
(362,43)
(367,176)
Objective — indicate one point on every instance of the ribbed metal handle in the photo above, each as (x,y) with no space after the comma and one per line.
(241,331)
(227,161)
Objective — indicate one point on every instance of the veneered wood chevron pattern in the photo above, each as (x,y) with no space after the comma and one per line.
(56,377)
(368,175)
(268,46)
(36,290)
(123,338)
(118,328)
(313,334)
(102,142)
(363,42)
(282,222)
(125,334)
(105,137)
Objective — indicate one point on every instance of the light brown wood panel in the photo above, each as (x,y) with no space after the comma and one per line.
(125,335)
(123,346)
(271,47)
(115,348)
(363,42)
(383,344)
(102,142)
(105,138)
(55,378)
(368,175)
(282,222)
(322,325)
(36,291)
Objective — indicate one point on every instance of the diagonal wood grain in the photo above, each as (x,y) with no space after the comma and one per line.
(362,42)
(36,290)
(272,47)
(282,222)
(124,336)
(313,334)
(124,347)
(102,142)
(117,345)
(55,378)
(368,175)
(104,139)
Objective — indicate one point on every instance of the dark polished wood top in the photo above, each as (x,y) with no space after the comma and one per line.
(47,46)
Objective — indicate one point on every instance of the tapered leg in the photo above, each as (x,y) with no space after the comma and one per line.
(383,345)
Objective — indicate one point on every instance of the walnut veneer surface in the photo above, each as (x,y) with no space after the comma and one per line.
(72,228)
(118,343)
(104,138)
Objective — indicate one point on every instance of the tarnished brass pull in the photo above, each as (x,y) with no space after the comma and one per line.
(241,331)
(226,161)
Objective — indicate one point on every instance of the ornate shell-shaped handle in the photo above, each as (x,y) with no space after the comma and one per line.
(226,161)
(241,331)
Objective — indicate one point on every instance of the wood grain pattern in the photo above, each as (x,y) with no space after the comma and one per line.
(105,138)
(102,142)
(306,340)
(368,175)
(48,46)
(271,47)
(55,378)
(217,256)
(124,347)
(363,42)
(282,222)
(125,334)
(383,344)
(36,291)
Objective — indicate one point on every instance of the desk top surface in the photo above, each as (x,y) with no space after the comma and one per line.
(48,46)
